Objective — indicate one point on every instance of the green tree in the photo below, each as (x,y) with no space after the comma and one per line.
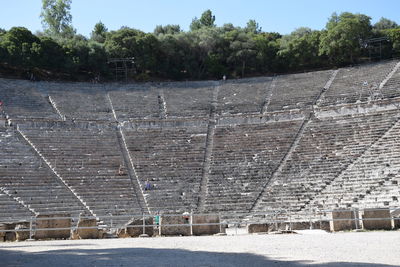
(195,25)
(343,37)
(127,43)
(97,58)
(300,49)
(52,55)
(20,47)
(99,32)
(207,19)
(242,50)
(297,33)
(267,46)
(171,52)
(123,42)
(394,37)
(227,27)
(384,24)
(56,18)
(147,53)
(209,42)
(253,27)
(77,53)
(168,29)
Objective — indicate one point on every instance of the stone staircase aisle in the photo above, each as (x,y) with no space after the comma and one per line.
(346,172)
(278,170)
(49,165)
(133,176)
(139,193)
(162,105)
(209,149)
(20,202)
(54,105)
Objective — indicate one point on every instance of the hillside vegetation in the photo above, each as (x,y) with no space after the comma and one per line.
(206,51)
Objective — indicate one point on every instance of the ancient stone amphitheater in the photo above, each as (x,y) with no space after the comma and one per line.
(318,140)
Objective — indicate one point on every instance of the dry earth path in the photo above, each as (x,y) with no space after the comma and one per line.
(309,248)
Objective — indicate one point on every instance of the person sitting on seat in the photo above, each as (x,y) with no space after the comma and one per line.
(120,170)
(147,185)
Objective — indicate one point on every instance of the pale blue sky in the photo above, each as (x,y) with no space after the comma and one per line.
(281,16)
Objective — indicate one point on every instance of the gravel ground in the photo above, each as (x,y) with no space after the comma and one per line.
(308,248)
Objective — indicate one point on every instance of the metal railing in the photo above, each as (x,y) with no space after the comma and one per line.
(278,220)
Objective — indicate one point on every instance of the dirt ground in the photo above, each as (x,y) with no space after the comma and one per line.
(308,248)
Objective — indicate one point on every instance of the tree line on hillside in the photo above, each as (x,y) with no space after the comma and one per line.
(206,51)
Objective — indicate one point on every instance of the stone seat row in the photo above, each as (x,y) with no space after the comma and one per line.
(308,162)
(93,179)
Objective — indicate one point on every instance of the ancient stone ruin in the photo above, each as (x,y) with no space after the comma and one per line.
(326,140)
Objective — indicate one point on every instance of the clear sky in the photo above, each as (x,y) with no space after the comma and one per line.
(281,16)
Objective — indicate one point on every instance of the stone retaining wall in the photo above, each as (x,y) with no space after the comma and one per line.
(257,228)
(206,229)
(377,219)
(183,227)
(135,227)
(86,233)
(43,223)
(343,220)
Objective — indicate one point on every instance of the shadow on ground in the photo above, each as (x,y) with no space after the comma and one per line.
(150,257)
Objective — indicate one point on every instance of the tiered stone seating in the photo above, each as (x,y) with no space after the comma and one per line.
(21,100)
(387,193)
(11,210)
(89,161)
(24,176)
(338,160)
(391,88)
(296,91)
(172,160)
(188,99)
(244,157)
(372,172)
(77,101)
(136,102)
(243,96)
(358,83)
(326,148)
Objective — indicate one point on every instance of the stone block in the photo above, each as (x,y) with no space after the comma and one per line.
(396,222)
(301,225)
(2,234)
(182,225)
(46,221)
(92,233)
(206,229)
(123,233)
(257,228)
(343,220)
(22,232)
(322,225)
(10,236)
(305,225)
(395,214)
(134,227)
(377,219)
